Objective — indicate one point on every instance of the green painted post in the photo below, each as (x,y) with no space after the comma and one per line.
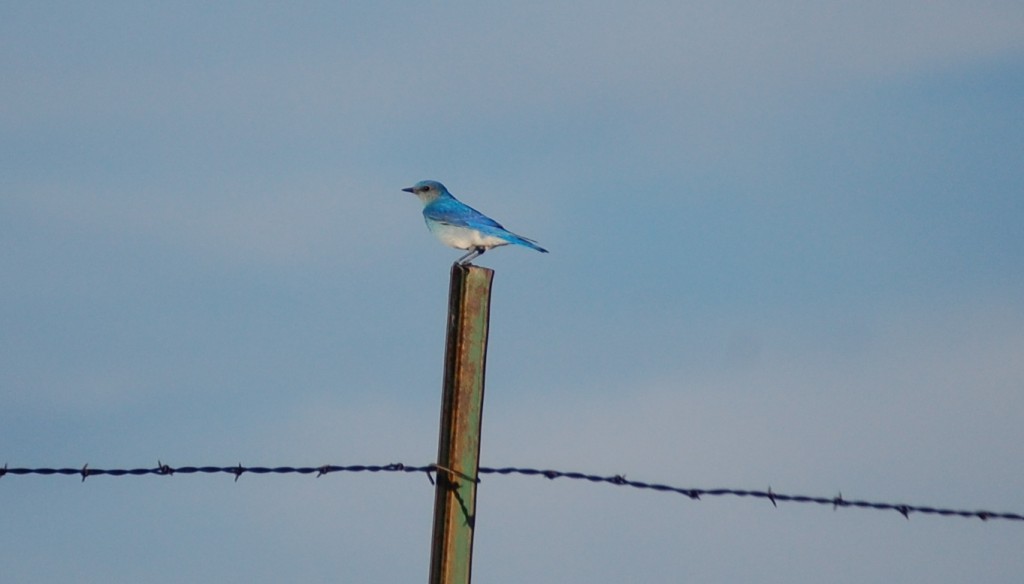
(458,451)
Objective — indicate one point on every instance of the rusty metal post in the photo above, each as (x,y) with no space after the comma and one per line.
(458,451)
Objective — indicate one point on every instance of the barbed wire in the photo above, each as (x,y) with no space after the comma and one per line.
(430,469)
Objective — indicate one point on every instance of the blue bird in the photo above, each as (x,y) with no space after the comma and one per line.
(460,226)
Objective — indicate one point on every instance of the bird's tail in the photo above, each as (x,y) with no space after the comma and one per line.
(526,242)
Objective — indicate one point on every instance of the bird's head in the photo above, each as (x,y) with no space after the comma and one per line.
(427,190)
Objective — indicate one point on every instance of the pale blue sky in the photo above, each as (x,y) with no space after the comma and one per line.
(786,250)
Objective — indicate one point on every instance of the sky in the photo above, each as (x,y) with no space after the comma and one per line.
(786,252)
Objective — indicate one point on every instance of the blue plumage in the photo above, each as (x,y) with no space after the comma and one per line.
(460,226)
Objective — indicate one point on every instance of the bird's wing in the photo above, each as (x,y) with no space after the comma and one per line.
(454,212)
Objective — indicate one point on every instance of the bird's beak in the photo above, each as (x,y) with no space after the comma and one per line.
(409,190)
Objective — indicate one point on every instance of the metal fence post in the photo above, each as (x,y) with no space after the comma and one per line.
(462,402)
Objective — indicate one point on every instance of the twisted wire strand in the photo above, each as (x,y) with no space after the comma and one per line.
(836,502)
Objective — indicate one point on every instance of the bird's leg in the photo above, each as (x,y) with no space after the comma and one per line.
(473,253)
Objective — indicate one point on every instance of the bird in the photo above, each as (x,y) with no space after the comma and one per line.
(460,226)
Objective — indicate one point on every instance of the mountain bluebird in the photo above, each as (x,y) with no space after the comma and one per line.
(460,226)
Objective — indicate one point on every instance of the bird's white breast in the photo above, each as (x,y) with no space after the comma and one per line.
(463,237)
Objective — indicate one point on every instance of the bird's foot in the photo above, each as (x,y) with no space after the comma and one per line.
(469,257)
